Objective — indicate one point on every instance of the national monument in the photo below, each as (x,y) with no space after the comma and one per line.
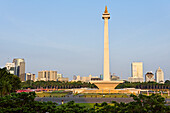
(106,83)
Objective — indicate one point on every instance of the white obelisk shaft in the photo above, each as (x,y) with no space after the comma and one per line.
(106,71)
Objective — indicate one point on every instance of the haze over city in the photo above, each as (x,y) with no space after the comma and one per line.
(67,36)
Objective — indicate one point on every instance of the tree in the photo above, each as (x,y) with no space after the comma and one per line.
(8,82)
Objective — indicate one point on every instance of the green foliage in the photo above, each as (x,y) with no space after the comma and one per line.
(56,84)
(167,82)
(8,82)
(24,103)
(144,85)
(141,104)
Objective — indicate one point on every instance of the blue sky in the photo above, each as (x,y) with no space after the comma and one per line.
(67,35)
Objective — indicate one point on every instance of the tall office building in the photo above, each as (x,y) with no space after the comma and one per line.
(19,68)
(137,72)
(149,77)
(10,67)
(47,75)
(137,69)
(159,75)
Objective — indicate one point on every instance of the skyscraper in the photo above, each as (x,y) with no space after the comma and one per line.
(137,69)
(159,75)
(19,68)
(137,72)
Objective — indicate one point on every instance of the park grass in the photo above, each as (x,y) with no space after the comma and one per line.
(105,95)
(91,105)
(51,94)
(87,105)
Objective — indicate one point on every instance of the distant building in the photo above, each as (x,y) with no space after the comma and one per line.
(19,68)
(47,75)
(137,69)
(114,77)
(59,75)
(30,76)
(149,77)
(10,67)
(101,76)
(74,77)
(86,79)
(159,75)
(137,72)
(63,79)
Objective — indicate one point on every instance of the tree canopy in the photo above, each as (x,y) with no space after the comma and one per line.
(8,82)
(56,85)
(25,103)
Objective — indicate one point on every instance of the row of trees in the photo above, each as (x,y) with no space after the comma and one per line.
(25,103)
(145,85)
(8,82)
(56,85)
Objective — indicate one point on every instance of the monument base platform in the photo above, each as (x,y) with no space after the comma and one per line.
(106,85)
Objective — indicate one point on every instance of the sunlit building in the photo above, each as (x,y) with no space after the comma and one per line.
(30,76)
(149,77)
(159,75)
(10,67)
(47,75)
(19,68)
(86,79)
(137,72)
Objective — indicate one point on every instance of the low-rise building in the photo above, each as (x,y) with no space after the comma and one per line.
(10,67)
(63,79)
(149,77)
(86,79)
(135,79)
(30,76)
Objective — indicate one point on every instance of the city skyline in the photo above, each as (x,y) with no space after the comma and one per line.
(74,45)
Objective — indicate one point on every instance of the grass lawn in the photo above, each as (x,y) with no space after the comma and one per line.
(105,95)
(52,94)
(88,105)
(91,105)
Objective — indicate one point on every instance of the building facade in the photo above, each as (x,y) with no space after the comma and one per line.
(10,67)
(19,69)
(30,76)
(149,77)
(59,75)
(47,75)
(137,72)
(86,79)
(159,76)
(63,79)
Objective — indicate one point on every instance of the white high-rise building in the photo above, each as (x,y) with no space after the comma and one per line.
(137,72)
(159,75)
(137,69)
(10,67)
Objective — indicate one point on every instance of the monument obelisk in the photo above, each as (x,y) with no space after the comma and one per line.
(106,70)
(106,84)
